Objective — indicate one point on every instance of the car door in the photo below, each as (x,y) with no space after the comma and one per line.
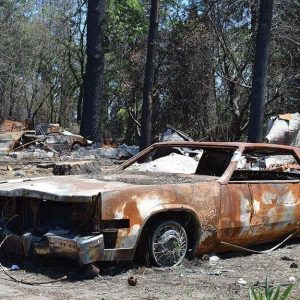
(276,208)
(236,210)
(261,202)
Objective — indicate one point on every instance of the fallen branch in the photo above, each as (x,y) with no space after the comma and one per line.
(27,144)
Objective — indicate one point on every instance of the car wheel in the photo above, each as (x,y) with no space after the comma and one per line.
(168,244)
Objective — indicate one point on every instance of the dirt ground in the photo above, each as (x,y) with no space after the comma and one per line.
(227,278)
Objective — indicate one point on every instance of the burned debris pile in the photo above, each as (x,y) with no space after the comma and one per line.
(49,149)
(50,137)
(49,140)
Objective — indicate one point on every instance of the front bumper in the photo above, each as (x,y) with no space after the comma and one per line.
(84,250)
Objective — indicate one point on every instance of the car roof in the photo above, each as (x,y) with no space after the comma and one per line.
(243,147)
(240,145)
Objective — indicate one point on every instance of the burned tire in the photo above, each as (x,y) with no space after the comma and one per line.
(168,244)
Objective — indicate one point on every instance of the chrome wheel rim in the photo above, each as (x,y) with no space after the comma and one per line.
(169,244)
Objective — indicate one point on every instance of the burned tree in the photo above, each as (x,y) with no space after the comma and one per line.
(255,129)
(146,128)
(93,82)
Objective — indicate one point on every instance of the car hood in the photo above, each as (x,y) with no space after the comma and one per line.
(59,188)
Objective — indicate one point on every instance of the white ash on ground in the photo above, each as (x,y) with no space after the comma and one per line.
(173,163)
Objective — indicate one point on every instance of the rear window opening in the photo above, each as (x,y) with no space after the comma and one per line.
(266,166)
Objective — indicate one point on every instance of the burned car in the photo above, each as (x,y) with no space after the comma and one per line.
(230,192)
(54,136)
(57,140)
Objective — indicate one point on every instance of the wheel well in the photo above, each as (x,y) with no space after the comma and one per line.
(186,218)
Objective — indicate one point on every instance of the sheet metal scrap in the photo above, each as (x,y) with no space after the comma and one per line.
(105,220)
(10,140)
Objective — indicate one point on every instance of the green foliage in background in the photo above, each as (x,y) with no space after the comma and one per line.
(203,66)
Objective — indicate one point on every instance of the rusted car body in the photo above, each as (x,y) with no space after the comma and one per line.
(231,196)
(58,139)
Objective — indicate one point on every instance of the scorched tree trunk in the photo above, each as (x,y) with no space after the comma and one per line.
(146,124)
(255,129)
(93,81)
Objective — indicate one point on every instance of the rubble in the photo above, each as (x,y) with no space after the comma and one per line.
(50,136)
(172,134)
(281,161)
(121,152)
(48,140)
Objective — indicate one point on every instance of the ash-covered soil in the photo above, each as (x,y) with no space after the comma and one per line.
(195,279)
(227,278)
(11,168)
